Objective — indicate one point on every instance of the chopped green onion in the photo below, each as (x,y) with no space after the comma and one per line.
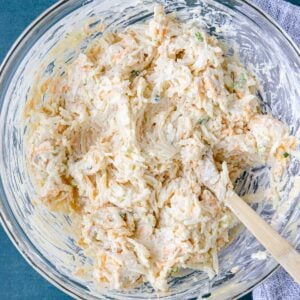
(78,35)
(240,82)
(285,155)
(261,149)
(63,168)
(122,215)
(199,36)
(202,121)
(243,78)
(128,151)
(174,270)
(135,73)
(73,183)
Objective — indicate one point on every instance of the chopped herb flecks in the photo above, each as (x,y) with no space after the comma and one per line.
(202,121)
(63,168)
(261,149)
(199,36)
(135,73)
(240,82)
(285,155)
(174,270)
(122,215)
(73,183)
(128,151)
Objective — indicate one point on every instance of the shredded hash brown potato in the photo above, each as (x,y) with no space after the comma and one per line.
(119,141)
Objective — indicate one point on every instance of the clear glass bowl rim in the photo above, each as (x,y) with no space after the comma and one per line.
(40,21)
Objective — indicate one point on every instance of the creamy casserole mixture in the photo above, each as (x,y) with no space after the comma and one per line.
(120,139)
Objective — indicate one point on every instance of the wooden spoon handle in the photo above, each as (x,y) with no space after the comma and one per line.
(279,248)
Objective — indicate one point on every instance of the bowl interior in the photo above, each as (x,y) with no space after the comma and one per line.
(45,238)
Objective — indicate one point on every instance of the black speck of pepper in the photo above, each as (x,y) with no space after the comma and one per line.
(156,99)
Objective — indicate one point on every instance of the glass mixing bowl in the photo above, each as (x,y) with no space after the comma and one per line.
(45,239)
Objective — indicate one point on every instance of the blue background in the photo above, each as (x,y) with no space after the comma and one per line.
(18,279)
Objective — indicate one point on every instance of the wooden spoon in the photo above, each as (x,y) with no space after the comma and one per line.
(279,248)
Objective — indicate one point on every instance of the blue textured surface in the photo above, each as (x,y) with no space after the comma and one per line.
(18,279)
